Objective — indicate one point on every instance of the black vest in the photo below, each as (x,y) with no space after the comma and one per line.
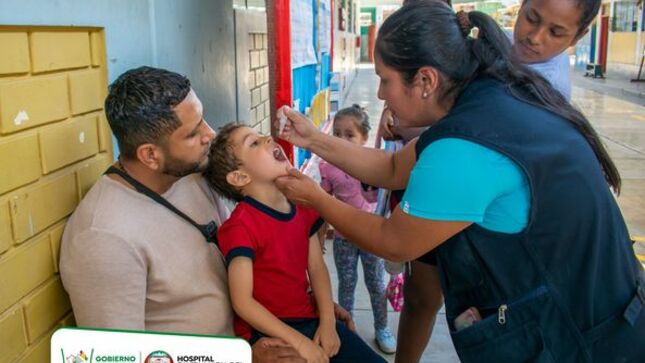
(567,288)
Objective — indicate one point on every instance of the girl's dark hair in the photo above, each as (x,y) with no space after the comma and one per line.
(589,11)
(427,33)
(359,114)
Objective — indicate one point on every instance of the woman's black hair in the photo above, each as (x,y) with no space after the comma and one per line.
(427,33)
(589,11)
(359,114)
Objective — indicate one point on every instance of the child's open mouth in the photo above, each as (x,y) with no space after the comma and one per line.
(279,154)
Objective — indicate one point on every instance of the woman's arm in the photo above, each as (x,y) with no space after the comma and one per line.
(372,166)
(401,237)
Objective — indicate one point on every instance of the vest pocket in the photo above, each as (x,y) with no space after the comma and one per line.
(511,332)
(523,343)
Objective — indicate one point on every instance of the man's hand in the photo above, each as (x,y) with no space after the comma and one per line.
(275,350)
(344,316)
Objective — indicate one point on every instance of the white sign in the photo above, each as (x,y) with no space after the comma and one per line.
(70,345)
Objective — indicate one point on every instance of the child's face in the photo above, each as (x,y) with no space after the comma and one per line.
(545,28)
(262,159)
(346,128)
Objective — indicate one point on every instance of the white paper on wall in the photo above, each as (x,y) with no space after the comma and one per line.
(302,33)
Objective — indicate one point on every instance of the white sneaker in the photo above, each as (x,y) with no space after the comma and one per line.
(385,341)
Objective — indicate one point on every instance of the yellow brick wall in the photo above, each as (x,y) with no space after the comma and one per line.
(54,144)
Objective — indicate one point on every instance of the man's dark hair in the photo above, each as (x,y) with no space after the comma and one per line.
(139,107)
(221,161)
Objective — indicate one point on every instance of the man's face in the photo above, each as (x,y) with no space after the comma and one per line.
(545,28)
(261,158)
(186,149)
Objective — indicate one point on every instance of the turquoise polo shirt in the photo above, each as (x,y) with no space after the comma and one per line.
(458,180)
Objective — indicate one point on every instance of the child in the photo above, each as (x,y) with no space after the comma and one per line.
(352,124)
(271,247)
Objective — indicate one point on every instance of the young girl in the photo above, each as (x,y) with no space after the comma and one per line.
(352,124)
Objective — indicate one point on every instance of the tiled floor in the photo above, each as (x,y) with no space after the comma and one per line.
(622,127)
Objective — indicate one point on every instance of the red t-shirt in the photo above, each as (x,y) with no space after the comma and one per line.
(278,244)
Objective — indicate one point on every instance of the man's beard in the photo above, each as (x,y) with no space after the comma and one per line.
(179,169)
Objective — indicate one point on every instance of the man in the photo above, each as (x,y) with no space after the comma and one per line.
(129,262)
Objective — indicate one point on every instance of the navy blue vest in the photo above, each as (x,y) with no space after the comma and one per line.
(567,288)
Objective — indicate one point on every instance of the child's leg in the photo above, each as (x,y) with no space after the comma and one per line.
(353,349)
(346,259)
(374,272)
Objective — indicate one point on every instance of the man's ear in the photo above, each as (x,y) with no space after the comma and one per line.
(238,178)
(150,155)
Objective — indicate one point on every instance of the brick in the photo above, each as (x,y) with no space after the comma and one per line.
(5,227)
(255,59)
(97,48)
(251,79)
(15,52)
(263,58)
(266,74)
(266,127)
(251,41)
(55,236)
(59,50)
(39,352)
(12,336)
(23,269)
(32,101)
(39,207)
(259,77)
(260,112)
(44,308)
(67,142)
(86,91)
(20,161)
(258,41)
(267,109)
(264,93)
(105,134)
(256,97)
(89,172)
(265,41)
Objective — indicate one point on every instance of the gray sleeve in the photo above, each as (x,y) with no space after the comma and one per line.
(105,278)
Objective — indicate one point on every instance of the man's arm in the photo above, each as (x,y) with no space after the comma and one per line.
(105,278)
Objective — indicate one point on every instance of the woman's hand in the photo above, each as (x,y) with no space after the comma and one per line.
(298,130)
(300,188)
(327,337)
(387,125)
(344,316)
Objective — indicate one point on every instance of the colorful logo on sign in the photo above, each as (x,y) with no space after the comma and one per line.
(159,356)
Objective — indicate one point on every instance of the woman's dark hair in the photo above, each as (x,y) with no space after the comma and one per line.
(589,11)
(427,33)
(359,114)
(139,107)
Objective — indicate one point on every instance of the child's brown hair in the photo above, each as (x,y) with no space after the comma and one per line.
(221,161)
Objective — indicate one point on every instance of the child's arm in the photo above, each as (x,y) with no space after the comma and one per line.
(326,335)
(240,279)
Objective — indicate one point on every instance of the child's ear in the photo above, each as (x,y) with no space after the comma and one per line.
(238,178)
